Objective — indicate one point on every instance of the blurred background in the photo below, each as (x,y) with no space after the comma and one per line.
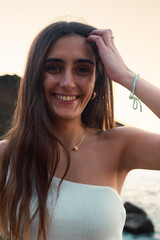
(136,28)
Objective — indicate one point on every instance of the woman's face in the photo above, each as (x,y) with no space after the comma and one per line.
(69,76)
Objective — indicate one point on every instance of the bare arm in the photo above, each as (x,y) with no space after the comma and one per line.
(142,149)
(120,73)
(145,91)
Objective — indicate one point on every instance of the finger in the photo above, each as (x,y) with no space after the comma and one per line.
(98,40)
(106,35)
(101,44)
(100,32)
(108,50)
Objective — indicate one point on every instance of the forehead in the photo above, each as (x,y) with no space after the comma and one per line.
(74,46)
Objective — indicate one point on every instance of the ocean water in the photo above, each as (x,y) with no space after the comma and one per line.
(142,188)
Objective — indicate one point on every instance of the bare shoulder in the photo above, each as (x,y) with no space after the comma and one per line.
(117,133)
(124,132)
(129,140)
(132,134)
(121,136)
(109,139)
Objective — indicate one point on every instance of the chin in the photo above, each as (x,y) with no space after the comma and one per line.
(66,116)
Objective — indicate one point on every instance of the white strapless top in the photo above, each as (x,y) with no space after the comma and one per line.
(82,212)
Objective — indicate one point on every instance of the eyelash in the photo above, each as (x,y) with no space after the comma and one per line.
(87,70)
(52,68)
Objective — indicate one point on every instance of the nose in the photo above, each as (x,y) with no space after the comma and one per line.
(68,82)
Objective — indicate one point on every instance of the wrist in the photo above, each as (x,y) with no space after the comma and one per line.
(127,79)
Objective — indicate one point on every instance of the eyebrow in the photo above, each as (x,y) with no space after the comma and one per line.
(76,61)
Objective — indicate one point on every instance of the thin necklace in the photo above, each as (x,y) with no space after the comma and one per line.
(76,148)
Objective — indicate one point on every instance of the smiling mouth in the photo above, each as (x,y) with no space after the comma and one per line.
(66,97)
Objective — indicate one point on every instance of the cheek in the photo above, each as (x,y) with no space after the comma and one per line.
(46,85)
(89,81)
(87,87)
(91,85)
(48,82)
(45,80)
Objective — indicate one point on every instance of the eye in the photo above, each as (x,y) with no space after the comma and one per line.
(83,70)
(53,68)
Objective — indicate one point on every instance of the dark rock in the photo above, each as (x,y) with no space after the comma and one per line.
(9,86)
(137,221)
(130,208)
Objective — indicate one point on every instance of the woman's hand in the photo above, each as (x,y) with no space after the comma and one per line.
(120,73)
(113,62)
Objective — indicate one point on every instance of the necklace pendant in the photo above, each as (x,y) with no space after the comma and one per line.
(75,148)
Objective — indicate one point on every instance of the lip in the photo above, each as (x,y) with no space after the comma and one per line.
(66,98)
(66,94)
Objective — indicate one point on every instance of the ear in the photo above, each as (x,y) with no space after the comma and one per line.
(93,95)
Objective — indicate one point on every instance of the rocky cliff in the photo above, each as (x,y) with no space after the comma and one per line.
(9,85)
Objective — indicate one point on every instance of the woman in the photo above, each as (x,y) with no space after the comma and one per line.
(63,128)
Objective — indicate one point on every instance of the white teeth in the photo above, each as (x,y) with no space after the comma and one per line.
(66,98)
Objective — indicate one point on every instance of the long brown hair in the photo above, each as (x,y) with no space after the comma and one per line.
(33,153)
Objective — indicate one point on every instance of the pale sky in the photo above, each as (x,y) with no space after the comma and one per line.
(135,25)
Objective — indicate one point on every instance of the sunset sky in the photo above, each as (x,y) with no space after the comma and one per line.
(136,28)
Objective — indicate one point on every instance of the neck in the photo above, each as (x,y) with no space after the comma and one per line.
(69,132)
